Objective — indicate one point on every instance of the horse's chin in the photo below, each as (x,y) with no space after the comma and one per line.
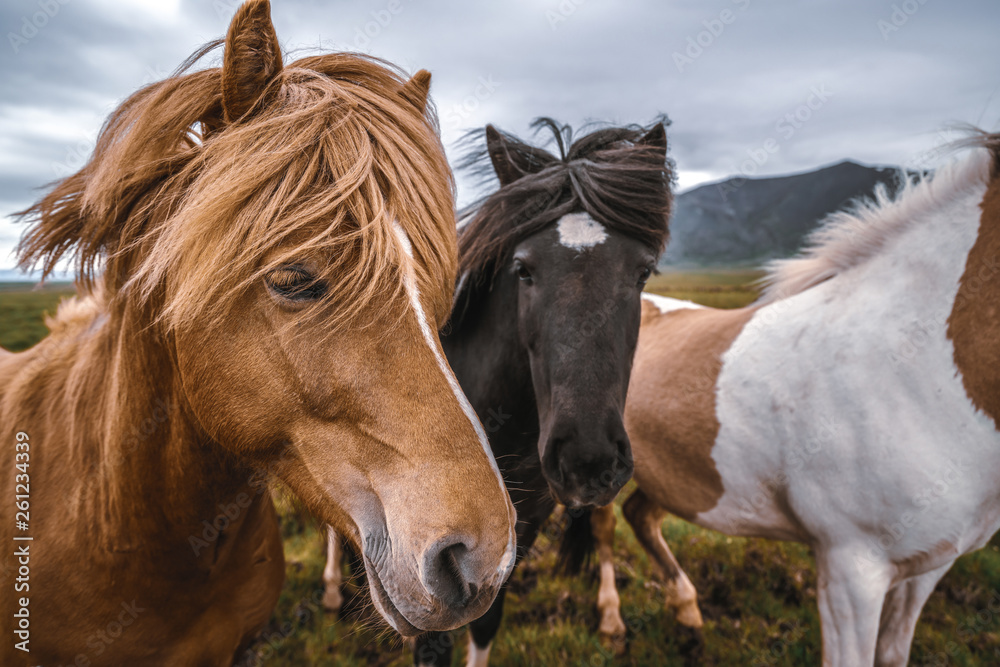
(385,606)
(575,501)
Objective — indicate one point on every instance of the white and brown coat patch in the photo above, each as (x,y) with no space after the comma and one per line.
(853,408)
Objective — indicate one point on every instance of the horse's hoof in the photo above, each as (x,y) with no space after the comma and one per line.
(616,643)
(689,615)
(612,626)
(333,600)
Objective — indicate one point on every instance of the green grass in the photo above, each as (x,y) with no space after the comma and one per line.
(21,310)
(718,288)
(758,597)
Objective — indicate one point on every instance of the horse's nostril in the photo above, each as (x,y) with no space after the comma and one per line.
(445,574)
(554,461)
(623,457)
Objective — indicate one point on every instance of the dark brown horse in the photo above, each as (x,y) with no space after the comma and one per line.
(266,253)
(546,318)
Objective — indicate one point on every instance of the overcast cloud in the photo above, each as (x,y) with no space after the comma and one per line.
(871,80)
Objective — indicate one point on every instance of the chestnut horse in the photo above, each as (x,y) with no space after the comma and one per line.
(266,253)
(546,320)
(854,408)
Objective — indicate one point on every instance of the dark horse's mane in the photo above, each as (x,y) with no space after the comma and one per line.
(622,183)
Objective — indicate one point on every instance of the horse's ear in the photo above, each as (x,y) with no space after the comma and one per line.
(503,165)
(415,90)
(251,62)
(656,138)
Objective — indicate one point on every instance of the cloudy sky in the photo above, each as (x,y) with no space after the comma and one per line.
(752,86)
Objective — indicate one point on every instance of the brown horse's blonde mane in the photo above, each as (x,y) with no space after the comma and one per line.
(849,237)
(180,210)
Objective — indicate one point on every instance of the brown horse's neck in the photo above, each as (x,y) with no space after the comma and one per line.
(151,474)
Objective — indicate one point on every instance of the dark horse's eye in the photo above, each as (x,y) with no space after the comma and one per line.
(295,283)
(523,274)
(644,275)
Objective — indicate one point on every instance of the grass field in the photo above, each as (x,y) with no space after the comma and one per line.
(758,597)
(21,309)
(719,288)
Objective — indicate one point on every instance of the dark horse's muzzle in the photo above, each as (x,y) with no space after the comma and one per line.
(586,469)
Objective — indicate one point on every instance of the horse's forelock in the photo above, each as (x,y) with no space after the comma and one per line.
(173,202)
(621,182)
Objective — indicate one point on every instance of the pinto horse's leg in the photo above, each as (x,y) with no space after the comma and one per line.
(852,589)
(900,612)
(333,574)
(646,519)
(602,521)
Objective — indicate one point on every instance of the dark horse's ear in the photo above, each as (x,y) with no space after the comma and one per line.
(656,138)
(251,62)
(415,90)
(503,164)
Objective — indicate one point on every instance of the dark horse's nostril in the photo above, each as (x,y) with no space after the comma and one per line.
(554,462)
(446,578)
(623,457)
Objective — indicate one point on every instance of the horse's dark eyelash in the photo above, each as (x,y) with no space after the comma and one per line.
(296,284)
(287,277)
(312,291)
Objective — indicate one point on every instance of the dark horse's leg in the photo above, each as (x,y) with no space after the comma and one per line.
(484,629)
(434,648)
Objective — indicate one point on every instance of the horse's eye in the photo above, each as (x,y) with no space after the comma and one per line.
(523,274)
(644,275)
(295,283)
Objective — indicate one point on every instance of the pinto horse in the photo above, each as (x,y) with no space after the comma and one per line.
(854,408)
(266,253)
(545,322)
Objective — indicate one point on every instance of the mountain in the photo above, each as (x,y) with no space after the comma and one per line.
(17,276)
(750,220)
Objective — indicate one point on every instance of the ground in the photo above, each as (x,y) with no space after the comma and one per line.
(758,597)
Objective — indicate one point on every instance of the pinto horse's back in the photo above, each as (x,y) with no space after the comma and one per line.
(853,407)
(833,408)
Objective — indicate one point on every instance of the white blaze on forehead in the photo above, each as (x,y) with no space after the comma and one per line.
(665,304)
(579,231)
(507,563)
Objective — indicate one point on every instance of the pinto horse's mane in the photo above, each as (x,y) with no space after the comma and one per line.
(177,208)
(621,183)
(849,237)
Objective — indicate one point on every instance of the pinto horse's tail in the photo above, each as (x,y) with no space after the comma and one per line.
(577,545)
